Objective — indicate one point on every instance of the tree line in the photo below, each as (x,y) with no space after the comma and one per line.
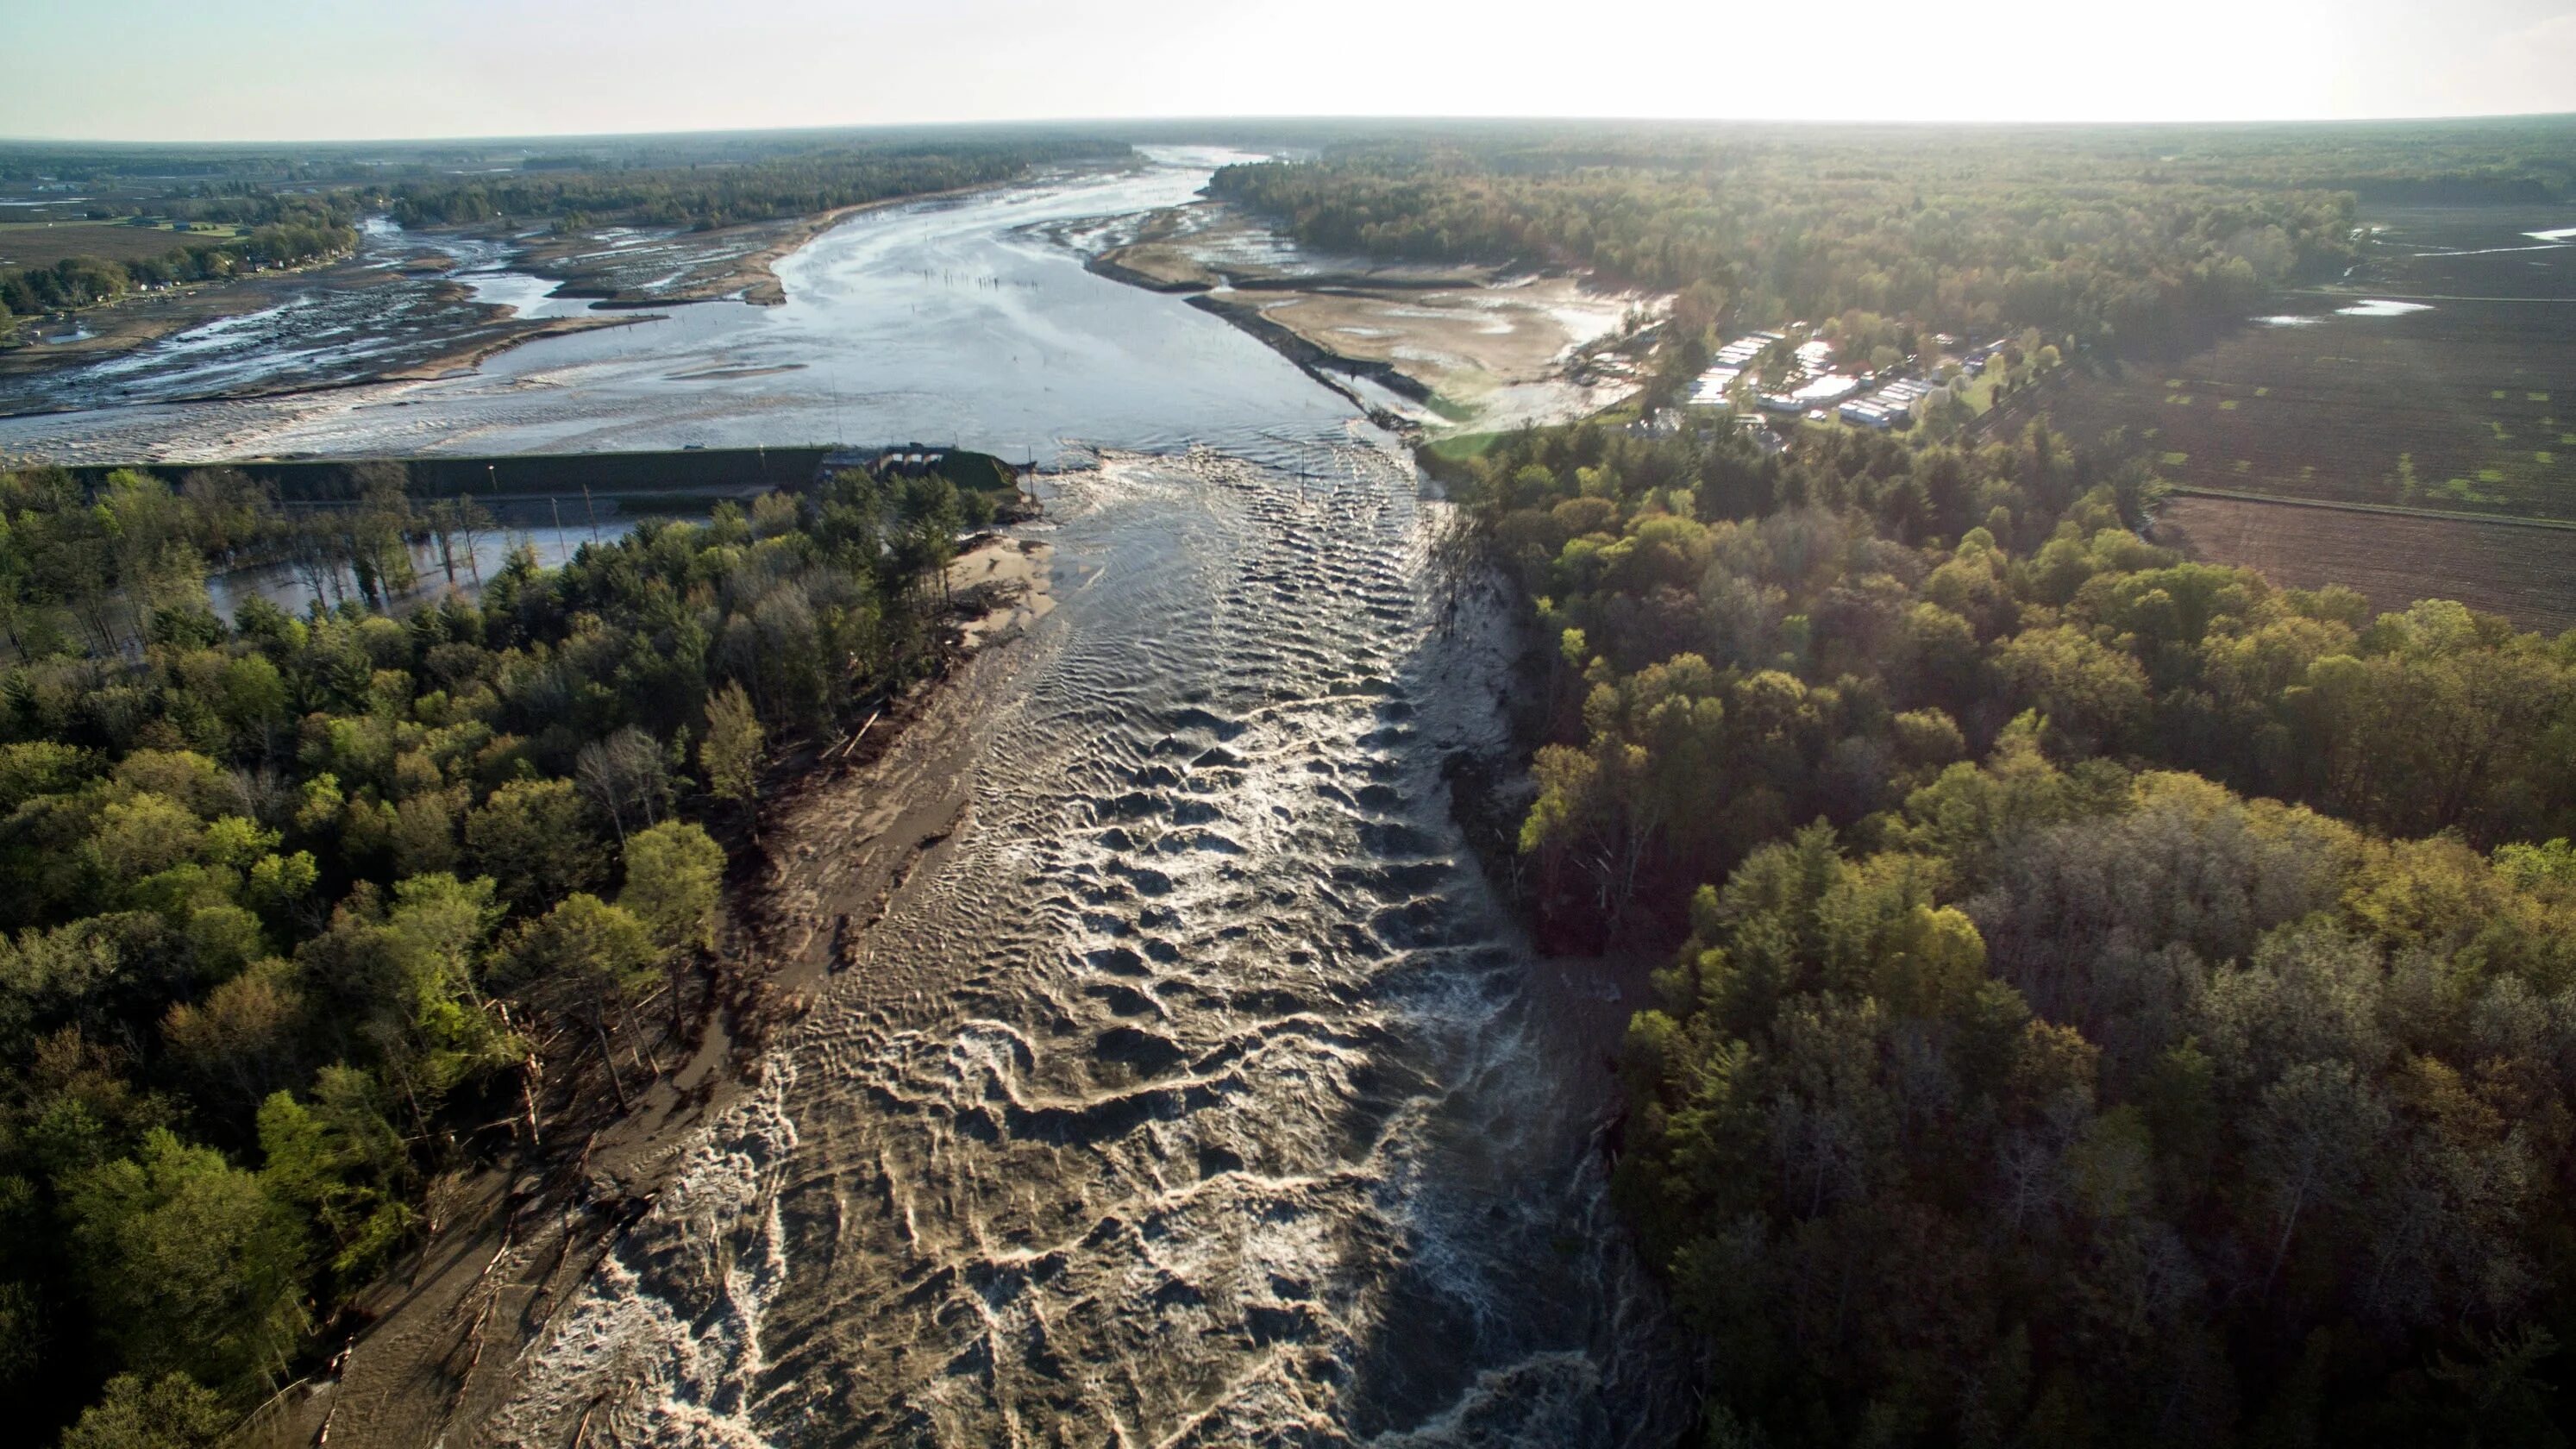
(308,909)
(2112,999)
(2075,235)
(704,195)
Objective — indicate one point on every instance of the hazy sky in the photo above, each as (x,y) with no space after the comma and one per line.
(266,69)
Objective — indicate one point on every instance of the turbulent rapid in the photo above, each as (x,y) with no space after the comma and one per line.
(1201,1094)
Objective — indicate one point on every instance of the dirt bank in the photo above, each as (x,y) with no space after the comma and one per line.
(844,827)
(1458,347)
(468,353)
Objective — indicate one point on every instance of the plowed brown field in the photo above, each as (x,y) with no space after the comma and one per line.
(2525,573)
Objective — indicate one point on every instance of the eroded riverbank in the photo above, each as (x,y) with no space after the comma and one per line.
(844,824)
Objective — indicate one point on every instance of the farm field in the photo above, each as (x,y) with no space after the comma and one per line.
(36,243)
(2526,574)
(2441,374)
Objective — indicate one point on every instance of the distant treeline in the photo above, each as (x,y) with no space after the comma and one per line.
(2111,1000)
(720,193)
(1966,236)
(2510,160)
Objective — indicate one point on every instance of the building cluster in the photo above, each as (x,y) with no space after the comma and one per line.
(1815,385)
(1898,403)
(1728,364)
(1893,404)
(1819,393)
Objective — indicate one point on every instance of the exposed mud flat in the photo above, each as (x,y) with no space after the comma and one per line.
(411,306)
(1468,347)
(650,266)
(1493,356)
(406,308)
(102,333)
(956,320)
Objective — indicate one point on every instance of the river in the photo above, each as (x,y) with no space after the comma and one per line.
(965,321)
(1198,1091)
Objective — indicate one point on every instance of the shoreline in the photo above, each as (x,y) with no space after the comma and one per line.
(469,355)
(843,827)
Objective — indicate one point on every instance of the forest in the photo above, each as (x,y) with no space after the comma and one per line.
(2111,999)
(308,908)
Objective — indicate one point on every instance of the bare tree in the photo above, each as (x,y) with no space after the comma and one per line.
(471,521)
(626,777)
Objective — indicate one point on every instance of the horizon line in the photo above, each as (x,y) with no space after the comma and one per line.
(1311,118)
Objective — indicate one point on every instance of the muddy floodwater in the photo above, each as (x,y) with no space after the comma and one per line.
(1196,1090)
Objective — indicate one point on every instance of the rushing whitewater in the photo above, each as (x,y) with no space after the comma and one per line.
(1202,1095)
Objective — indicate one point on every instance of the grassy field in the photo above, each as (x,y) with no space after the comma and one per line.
(37,243)
(2444,378)
(2524,572)
(1459,447)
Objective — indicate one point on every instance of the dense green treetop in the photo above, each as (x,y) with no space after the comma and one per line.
(2117,1000)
